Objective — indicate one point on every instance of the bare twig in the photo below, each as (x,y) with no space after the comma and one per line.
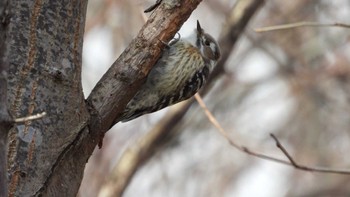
(280,146)
(307,168)
(300,24)
(244,149)
(32,117)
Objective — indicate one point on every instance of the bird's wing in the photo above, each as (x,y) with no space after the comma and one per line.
(147,105)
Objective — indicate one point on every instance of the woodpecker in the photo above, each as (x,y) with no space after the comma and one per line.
(182,69)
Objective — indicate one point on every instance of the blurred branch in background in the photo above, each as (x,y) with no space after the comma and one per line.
(138,153)
(142,150)
(300,24)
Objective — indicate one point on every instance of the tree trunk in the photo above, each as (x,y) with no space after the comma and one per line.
(45,40)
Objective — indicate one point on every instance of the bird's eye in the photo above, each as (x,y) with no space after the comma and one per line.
(206,42)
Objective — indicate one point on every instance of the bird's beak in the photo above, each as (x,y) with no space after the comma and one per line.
(199,28)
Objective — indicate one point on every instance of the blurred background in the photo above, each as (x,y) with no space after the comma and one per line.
(293,83)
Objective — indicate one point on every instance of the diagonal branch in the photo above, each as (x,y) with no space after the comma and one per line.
(120,83)
(142,150)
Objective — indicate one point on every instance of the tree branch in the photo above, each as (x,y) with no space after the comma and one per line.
(138,153)
(121,82)
(300,24)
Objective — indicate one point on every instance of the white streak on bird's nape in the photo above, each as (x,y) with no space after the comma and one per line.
(213,47)
(212,65)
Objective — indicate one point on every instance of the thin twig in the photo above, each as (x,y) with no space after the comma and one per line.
(300,24)
(281,147)
(32,117)
(244,149)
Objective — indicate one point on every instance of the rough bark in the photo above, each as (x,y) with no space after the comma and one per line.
(44,53)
